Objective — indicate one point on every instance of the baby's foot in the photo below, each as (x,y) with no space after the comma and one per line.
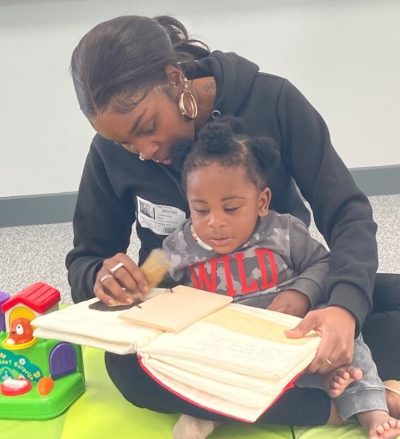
(189,427)
(379,424)
(337,381)
(393,402)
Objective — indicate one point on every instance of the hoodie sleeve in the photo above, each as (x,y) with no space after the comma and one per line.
(102,227)
(310,263)
(341,211)
(178,254)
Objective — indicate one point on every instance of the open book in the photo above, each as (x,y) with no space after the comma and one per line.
(124,329)
(234,360)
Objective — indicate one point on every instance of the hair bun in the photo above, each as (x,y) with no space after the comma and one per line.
(237,124)
(174,28)
(186,47)
(216,137)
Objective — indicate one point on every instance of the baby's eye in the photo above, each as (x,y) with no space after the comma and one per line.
(231,209)
(202,211)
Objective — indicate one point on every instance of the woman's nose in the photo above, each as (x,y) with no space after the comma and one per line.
(148,151)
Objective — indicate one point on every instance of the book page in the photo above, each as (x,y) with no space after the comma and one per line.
(236,362)
(252,322)
(174,312)
(242,381)
(82,324)
(199,397)
(247,349)
(121,348)
(248,397)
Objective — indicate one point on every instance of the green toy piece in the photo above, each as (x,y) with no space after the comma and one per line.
(39,379)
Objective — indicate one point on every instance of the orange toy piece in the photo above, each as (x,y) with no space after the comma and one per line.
(21,331)
(45,385)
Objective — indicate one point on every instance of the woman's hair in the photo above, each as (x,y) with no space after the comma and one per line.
(127,55)
(225,144)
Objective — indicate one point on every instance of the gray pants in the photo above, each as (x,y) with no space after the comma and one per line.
(360,396)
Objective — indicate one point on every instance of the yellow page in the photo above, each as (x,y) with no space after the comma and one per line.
(249,323)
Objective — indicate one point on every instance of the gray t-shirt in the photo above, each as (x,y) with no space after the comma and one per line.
(280,255)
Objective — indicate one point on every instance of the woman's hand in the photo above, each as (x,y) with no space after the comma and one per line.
(291,302)
(336,327)
(120,281)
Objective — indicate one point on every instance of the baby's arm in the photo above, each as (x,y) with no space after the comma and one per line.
(291,302)
(309,261)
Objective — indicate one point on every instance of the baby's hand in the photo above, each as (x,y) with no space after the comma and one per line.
(291,302)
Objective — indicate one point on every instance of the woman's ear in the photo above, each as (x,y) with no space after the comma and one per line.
(174,75)
(263,201)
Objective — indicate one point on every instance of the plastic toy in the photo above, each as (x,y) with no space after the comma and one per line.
(39,379)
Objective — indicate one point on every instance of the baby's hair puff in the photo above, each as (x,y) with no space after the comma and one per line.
(225,143)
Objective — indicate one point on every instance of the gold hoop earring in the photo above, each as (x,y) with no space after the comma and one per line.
(187,102)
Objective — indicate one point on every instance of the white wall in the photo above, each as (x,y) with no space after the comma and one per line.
(343,55)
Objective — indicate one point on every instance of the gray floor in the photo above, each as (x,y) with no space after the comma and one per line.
(36,253)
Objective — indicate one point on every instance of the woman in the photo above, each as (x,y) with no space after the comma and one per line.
(144,86)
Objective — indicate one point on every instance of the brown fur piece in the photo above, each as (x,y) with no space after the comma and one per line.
(155,267)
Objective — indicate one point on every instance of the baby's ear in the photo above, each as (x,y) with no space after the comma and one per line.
(263,201)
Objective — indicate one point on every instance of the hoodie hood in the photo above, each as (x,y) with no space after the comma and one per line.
(233,74)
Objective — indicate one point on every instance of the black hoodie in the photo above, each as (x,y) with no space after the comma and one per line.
(113,179)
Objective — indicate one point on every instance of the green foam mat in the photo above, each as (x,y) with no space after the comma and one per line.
(101,412)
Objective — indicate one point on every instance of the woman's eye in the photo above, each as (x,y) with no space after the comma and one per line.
(201,211)
(149,129)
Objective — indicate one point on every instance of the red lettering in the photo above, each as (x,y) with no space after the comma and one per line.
(204,274)
(201,279)
(271,280)
(230,290)
(246,289)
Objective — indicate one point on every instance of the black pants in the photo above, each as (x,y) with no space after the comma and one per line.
(298,406)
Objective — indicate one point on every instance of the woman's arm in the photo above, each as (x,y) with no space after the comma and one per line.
(341,211)
(102,227)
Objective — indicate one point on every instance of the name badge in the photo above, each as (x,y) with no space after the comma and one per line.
(161,219)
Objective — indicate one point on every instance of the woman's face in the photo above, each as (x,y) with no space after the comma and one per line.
(150,129)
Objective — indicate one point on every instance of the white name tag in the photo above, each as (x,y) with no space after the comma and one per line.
(161,219)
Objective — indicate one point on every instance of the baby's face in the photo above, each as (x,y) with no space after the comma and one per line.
(224,205)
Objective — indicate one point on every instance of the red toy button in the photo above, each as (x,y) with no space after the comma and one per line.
(12,387)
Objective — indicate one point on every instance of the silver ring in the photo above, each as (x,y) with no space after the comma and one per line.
(105,277)
(142,157)
(328,361)
(116,267)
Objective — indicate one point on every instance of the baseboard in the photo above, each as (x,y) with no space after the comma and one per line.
(37,209)
(378,180)
(59,208)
